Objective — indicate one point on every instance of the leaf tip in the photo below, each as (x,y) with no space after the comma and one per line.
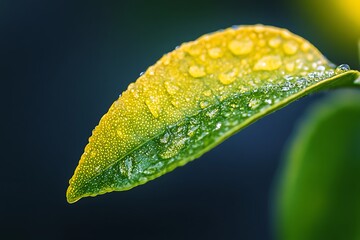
(71,195)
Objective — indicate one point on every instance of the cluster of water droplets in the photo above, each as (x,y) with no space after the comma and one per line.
(179,142)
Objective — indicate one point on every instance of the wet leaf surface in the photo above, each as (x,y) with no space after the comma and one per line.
(194,98)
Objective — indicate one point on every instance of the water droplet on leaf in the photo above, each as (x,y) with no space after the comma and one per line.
(268,101)
(275,42)
(174,148)
(194,50)
(204,104)
(342,68)
(171,88)
(175,103)
(268,63)
(241,47)
(305,46)
(212,113)
(290,66)
(151,71)
(207,93)
(165,138)
(215,52)
(132,88)
(153,106)
(192,130)
(229,77)
(320,68)
(197,71)
(253,103)
(128,165)
(290,47)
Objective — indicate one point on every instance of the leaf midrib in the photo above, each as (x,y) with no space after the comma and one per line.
(246,122)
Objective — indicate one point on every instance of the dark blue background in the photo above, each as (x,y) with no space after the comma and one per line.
(62,65)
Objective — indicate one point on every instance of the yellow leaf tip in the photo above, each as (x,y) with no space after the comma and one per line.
(71,196)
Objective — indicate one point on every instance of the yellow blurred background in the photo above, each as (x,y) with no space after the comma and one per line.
(338,21)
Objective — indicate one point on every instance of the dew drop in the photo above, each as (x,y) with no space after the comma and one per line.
(171,88)
(320,68)
(122,169)
(268,101)
(152,105)
(329,73)
(290,66)
(242,47)
(229,77)
(275,42)
(174,148)
(305,46)
(166,60)
(165,138)
(215,52)
(204,104)
(203,58)
(218,126)
(207,93)
(175,103)
(194,50)
(131,87)
(287,86)
(192,130)
(133,90)
(141,73)
(342,68)
(197,71)
(253,103)
(310,57)
(243,89)
(301,82)
(290,47)
(128,165)
(151,71)
(286,34)
(212,113)
(268,63)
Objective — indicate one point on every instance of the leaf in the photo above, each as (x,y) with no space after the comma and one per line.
(319,195)
(194,98)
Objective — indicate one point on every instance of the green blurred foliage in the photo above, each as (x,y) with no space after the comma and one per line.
(319,195)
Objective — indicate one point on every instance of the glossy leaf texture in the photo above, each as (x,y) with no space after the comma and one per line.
(319,195)
(194,98)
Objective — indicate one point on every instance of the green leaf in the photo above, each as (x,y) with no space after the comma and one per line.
(319,196)
(194,98)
